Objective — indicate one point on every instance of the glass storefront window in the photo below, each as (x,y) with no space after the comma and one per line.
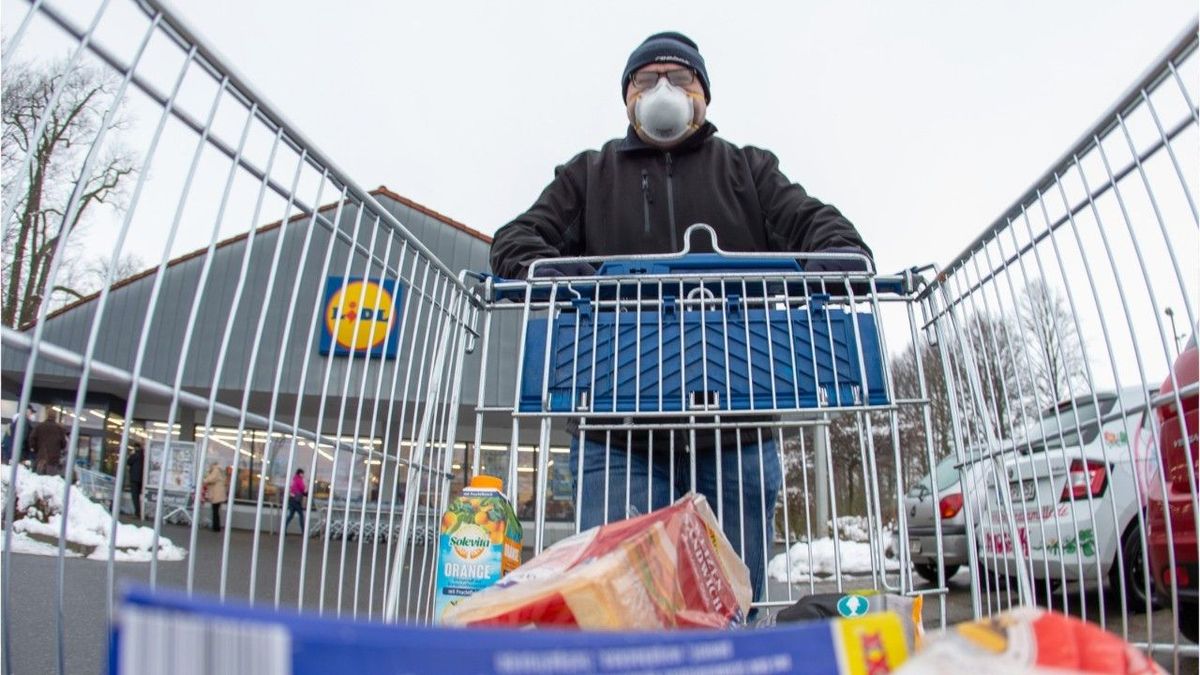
(263,464)
(560,497)
(99,435)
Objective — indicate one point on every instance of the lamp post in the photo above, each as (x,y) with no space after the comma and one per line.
(1174,334)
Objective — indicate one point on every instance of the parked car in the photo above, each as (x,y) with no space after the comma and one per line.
(922,508)
(1075,501)
(1175,511)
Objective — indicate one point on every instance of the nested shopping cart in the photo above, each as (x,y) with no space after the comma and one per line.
(287,318)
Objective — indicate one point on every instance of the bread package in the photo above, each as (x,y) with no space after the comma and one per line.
(669,568)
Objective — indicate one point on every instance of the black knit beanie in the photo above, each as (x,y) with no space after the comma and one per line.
(668,47)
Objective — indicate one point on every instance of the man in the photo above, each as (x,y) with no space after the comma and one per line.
(637,195)
(135,464)
(47,441)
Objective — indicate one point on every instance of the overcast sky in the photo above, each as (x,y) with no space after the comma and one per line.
(922,121)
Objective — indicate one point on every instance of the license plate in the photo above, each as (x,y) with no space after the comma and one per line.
(1024,491)
(914,545)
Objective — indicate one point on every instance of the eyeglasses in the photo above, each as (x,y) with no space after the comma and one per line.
(680,77)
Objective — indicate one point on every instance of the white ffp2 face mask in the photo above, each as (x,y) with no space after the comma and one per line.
(665,113)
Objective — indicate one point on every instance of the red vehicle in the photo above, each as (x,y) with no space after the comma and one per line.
(1176,511)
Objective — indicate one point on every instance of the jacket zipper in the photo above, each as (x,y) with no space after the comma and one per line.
(671,206)
(646,200)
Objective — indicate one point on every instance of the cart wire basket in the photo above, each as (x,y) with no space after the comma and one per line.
(1012,428)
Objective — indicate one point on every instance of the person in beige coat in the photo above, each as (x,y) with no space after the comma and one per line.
(216,492)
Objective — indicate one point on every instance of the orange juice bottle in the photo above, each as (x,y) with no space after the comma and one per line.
(479,542)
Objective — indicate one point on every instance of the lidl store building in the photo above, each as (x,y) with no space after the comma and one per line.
(287,374)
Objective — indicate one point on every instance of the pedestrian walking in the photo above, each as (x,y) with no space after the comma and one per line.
(135,465)
(8,448)
(216,492)
(296,494)
(48,440)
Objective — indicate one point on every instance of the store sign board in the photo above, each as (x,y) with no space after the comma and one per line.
(360,317)
(179,464)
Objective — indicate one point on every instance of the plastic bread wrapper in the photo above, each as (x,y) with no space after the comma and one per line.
(671,568)
(1028,640)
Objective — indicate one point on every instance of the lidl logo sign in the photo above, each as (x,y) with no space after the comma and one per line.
(361,317)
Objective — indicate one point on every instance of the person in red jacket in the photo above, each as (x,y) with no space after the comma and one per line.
(296,494)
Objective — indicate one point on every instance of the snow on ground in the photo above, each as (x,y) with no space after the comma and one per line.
(849,528)
(89,525)
(817,559)
(23,544)
(852,528)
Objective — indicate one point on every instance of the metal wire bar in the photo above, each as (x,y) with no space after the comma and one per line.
(230,88)
(993,277)
(10,197)
(1160,68)
(777,325)
(303,381)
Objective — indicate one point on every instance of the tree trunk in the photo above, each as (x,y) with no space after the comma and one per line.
(35,292)
(33,203)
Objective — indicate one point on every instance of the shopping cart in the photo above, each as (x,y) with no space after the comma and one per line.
(861,382)
(697,370)
(96,485)
(1055,332)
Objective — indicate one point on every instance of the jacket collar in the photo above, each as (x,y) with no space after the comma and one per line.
(633,143)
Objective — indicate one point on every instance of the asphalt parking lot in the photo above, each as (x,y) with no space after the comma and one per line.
(33,628)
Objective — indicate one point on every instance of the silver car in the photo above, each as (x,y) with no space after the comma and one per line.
(922,509)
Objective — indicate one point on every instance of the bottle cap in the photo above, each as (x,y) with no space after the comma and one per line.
(487,482)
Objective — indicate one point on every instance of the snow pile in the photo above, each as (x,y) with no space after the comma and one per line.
(852,528)
(816,559)
(23,544)
(38,517)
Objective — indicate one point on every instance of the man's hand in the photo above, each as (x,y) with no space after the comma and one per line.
(561,269)
(847,264)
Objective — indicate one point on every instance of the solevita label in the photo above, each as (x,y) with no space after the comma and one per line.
(480,542)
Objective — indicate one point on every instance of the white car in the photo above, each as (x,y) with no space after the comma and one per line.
(921,510)
(1073,486)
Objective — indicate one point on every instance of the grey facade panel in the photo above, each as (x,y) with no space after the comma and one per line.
(300,286)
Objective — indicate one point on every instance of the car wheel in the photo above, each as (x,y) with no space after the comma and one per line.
(1045,592)
(1187,619)
(1133,565)
(929,571)
(984,578)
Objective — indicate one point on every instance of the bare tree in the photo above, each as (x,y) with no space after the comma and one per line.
(856,474)
(1002,373)
(100,270)
(50,165)
(913,429)
(1004,370)
(1056,352)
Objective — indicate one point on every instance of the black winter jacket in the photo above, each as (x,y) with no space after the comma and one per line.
(632,198)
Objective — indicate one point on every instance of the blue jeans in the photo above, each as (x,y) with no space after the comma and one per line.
(658,477)
(295,508)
